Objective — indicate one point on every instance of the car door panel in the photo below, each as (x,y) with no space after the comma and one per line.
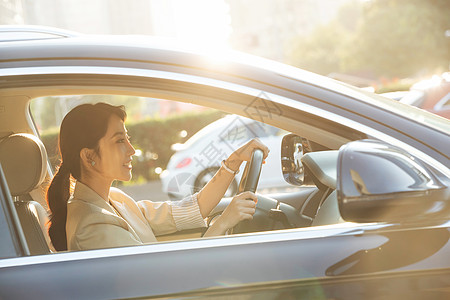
(402,285)
(208,263)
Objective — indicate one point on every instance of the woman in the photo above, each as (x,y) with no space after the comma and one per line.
(95,150)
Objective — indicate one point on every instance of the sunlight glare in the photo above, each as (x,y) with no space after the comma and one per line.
(203,23)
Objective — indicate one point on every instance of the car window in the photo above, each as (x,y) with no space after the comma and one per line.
(262,130)
(48,112)
(238,131)
(155,125)
(162,172)
(205,131)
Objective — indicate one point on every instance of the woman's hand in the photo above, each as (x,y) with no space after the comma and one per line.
(214,190)
(242,207)
(244,153)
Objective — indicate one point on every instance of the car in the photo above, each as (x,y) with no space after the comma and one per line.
(369,219)
(397,95)
(431,94)
(192,165)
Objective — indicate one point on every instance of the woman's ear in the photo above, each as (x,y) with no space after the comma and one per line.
(87,157)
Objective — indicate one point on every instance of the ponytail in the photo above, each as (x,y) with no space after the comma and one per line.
(57,196)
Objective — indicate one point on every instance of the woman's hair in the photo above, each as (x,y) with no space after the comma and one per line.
(82,127)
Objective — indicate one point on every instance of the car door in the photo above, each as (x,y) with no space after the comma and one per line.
(271,266)
(369,261)
(342,260)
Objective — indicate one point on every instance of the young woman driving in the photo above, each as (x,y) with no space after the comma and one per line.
(95,150)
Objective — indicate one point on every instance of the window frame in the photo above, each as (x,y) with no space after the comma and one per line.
(11,234)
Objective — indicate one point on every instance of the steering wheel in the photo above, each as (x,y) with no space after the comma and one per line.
(269,214)
(249,182)
(252,171)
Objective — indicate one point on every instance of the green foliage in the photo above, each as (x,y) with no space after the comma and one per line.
(394,87)
(320,52)
(387,38)
(153,137)
(400,38)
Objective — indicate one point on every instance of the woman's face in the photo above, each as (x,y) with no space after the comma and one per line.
(114,161)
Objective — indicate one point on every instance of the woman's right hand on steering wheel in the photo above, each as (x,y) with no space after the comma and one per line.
(242,207)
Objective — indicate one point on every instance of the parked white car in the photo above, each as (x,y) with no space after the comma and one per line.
(197,160)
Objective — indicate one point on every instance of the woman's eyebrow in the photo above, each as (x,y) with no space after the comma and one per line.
(119,133)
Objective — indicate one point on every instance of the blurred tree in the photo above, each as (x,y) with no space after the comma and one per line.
(349,15)
(399,38)
(389,38)
(321,51)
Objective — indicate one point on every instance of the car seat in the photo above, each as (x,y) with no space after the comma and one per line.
(24,161)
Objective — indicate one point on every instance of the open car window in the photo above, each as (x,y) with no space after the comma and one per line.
(166,134)
(161,171)
(179,148)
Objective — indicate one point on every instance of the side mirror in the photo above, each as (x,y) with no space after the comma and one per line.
(378,182)
(291,153)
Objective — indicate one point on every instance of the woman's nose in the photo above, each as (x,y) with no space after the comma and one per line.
(131,149)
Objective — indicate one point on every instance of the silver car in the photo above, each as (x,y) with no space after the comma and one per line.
(370,219)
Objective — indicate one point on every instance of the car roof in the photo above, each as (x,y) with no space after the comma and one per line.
(120,46)
(15,33)
(141,50)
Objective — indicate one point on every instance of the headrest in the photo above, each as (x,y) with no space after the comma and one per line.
(24,162)
(322,166)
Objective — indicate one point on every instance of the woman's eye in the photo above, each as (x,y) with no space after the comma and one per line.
(128,138)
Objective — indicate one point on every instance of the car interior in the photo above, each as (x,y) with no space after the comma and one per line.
(27,169)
